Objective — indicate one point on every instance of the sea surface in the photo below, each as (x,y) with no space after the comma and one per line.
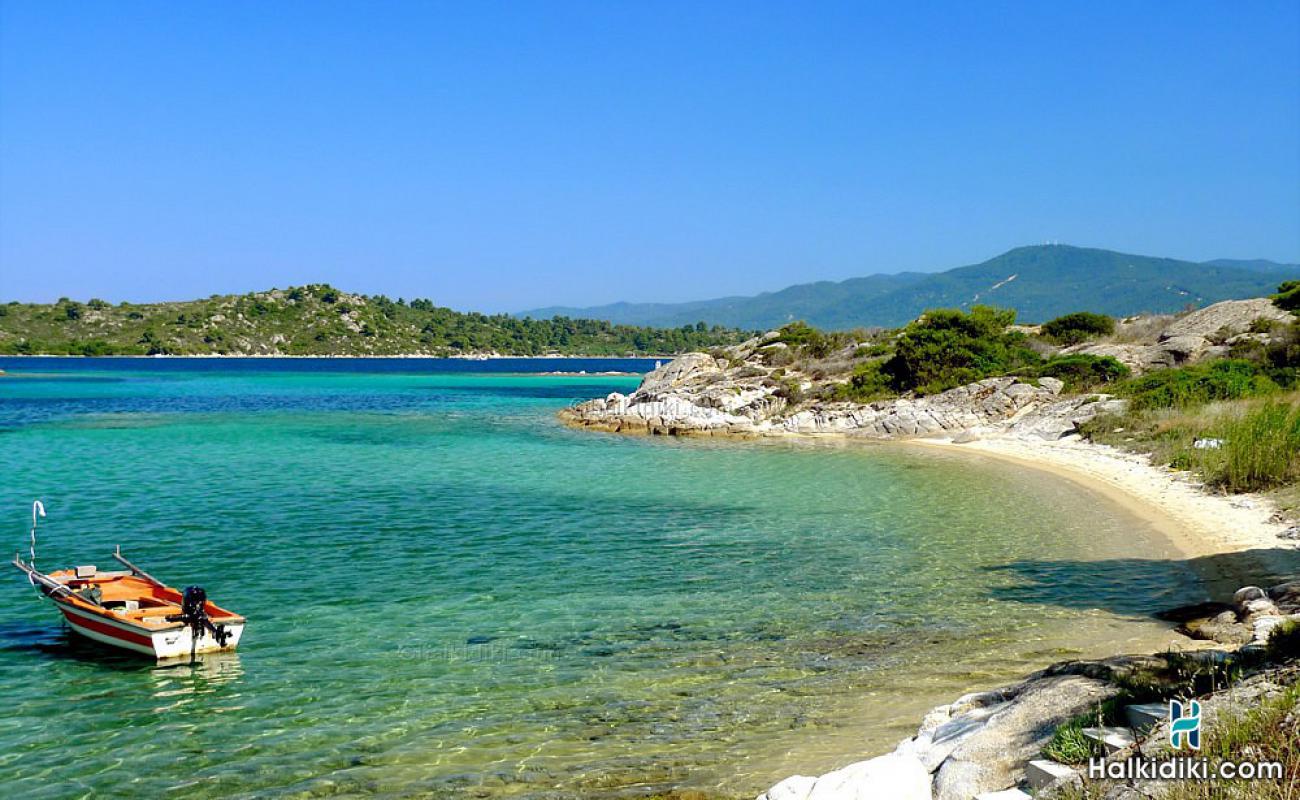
(451,594)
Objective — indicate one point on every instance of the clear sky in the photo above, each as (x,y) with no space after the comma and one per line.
(501,156)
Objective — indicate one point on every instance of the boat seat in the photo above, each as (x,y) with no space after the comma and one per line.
(152,611)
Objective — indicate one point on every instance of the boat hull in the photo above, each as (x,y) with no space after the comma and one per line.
(160,644)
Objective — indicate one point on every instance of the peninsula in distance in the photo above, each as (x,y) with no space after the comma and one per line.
(1039,283)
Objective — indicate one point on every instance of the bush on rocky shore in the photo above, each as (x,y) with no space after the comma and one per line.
(948,348)
(1077,327)
(1081,371)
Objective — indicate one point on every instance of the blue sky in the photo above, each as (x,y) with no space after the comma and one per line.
(500,156)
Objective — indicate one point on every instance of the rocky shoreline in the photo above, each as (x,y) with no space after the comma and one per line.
(989,744)
(756,389)
(981,746)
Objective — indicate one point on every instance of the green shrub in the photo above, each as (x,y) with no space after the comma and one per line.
(1284,642)
(948,348)
(872,350)
(808,341)
(1288,296)
(868,382)
(1263,325)
(1226,379)
(95,347)
(1082,371)
(790,390)
(800,334)
(1078,327)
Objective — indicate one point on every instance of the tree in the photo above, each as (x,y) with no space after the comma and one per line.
(1078,327)
(948,348)
(1288,296)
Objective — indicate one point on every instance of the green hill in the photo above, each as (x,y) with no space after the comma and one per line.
(321,320)
(1040,282)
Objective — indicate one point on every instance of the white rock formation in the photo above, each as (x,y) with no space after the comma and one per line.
(890,777)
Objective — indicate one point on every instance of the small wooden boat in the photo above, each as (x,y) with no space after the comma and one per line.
(135,611)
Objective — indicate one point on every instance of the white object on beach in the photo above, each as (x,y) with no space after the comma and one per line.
(1041,773)
(1111,737)
(893,776)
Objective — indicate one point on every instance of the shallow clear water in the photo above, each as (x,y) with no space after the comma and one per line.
(451,594)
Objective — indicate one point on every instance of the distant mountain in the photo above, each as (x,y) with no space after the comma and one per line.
(1040,282)
(1256,265)
(807,301)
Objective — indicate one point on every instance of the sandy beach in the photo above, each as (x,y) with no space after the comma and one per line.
(1199,522)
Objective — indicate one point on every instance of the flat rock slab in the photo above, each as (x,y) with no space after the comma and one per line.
(1043,773)
(897,777)
(1111,738)
(1145,716)
(1005,794)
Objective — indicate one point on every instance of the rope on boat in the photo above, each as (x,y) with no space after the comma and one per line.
(37,508)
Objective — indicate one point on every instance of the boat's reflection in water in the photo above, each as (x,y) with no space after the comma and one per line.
(181,681)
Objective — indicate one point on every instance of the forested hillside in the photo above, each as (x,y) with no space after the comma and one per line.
(321,320)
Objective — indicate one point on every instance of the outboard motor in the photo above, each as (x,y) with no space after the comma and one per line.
(194,614)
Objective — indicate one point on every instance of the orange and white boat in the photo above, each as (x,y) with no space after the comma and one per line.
(135,611)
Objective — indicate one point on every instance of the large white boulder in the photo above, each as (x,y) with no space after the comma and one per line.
(1224,319)
(994,756)
(891,777)
(687,368)
(795,787)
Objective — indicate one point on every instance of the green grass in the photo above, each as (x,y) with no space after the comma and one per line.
(1259,450)
(1070,746)
(1186,387)
(1268,732)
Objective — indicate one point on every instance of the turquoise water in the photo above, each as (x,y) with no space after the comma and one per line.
(450,594)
